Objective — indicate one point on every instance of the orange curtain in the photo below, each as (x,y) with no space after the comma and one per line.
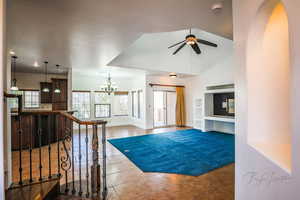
(180,107)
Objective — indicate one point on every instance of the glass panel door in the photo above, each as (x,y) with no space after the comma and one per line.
(171,108)
(159,109)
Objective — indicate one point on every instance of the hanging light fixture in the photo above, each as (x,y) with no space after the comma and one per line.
(14,81)
(57,90)
(46,89)
(109,87)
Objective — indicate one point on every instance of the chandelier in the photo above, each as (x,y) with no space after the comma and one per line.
(109,87)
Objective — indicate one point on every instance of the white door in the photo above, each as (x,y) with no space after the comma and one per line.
(159,109)
(171,108)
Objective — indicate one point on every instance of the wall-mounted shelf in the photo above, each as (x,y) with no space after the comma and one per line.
(220,118)
(198,114)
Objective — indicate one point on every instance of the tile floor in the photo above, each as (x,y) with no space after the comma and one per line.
(127,182)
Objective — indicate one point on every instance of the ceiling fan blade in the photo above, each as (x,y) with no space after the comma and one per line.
(196,48)
(176,44)
(181,46)
(207,43)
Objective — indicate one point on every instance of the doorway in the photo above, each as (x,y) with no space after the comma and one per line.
(164,108)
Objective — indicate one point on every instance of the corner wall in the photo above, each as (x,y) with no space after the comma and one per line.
(257,177)
(2,79)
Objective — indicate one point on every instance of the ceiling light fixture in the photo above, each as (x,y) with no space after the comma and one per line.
(36,64)
(14,81)
(173,75)
(217,6)
(46,89)
(109,87)
(11,52)
(57,90)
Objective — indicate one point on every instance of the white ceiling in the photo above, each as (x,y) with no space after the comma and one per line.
(85,34)
(150,52)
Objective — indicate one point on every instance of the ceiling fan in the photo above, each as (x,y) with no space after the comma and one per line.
(192,41)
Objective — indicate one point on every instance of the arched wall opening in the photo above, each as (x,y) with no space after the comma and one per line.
(269,84)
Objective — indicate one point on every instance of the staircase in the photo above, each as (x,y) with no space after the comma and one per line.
(65,169)
(48,190)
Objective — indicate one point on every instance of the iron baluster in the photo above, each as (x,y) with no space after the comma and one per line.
(73,166)
(58,134)
(30,151)
(87,160)
(79,135)
(20,151)
(40,145)
(49,146)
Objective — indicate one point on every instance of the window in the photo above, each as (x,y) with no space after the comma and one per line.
(140,102)
(81,103)
(31,99)
(13,102)
(102,105)
(137,100)
(120,104)
(102,111)
(134,103)
(101,98)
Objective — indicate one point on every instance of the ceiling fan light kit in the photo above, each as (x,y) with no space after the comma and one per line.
(193,41)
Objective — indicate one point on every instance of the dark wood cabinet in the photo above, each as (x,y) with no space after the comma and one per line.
(46,97)
(60,100)
(52,126)
(28,135)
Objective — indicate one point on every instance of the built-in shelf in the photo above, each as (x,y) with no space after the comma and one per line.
(211,121)
(220,118)
(198,114)
(228,90)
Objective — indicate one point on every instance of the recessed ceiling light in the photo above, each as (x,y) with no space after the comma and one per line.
(217,6)
(11,52)
(173,75)
(36,64)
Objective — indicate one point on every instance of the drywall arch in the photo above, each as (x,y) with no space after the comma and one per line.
(269,84)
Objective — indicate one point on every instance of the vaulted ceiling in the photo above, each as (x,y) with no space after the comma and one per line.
(150,52)
(86,34)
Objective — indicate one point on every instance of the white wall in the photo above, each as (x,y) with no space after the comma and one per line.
(93,83)
(2,66)
(222,73)
(257,177)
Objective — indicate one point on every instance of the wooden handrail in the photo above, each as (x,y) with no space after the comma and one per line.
(91,122)
(65,114)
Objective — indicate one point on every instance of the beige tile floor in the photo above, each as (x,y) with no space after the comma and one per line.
(127,182)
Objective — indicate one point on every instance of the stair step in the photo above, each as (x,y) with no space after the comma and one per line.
(68,197)
(47,190)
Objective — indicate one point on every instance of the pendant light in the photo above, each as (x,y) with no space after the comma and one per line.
(14,81)
(57,90)
(109,87)
(46,89)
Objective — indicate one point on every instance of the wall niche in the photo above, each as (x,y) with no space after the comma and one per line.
(269,83)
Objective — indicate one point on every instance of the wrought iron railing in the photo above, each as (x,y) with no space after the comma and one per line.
(62,148)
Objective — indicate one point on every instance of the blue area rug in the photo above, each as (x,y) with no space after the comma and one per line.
(188,152)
